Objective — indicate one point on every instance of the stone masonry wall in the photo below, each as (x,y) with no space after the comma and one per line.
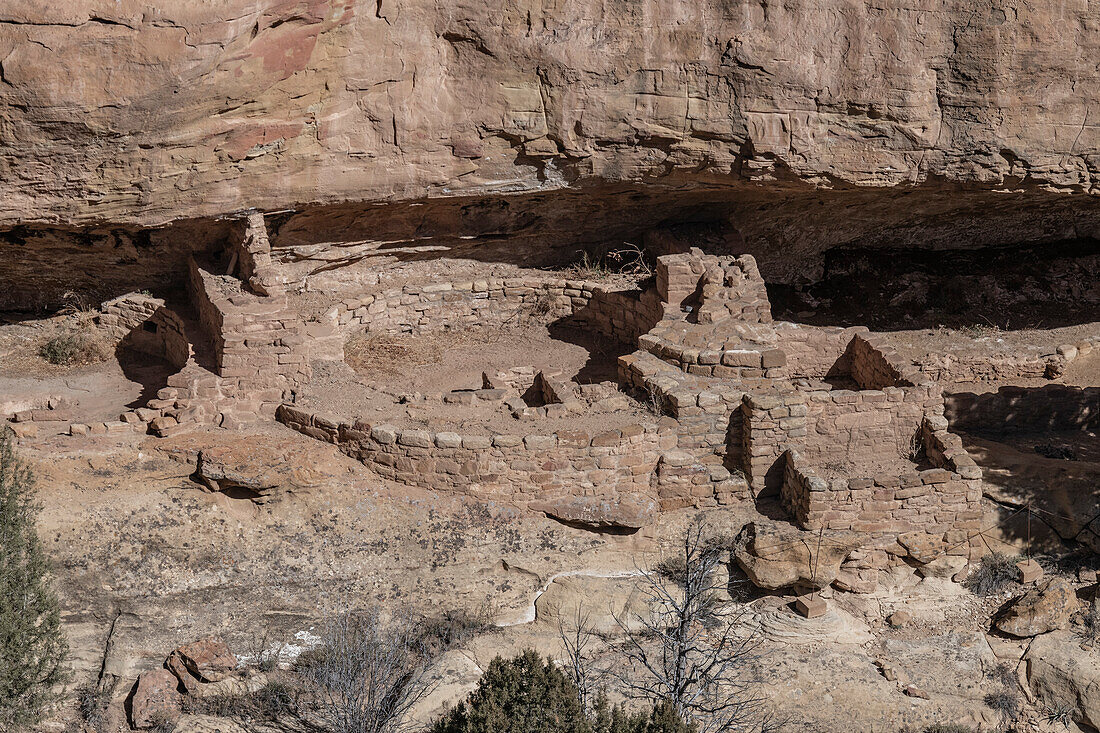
(706,411)
(937,508)
(494,303)
(845,424)
(873,365)
(1025,410)
(713,288)
(505,467)
(146,324)
(772,421)
(257,340)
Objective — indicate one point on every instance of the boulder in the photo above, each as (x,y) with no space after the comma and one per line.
(189,682)
(922,547)
(856,581)
(779,556)
(945,566)
(1061,670)
(233,686)
(155,698)
(1047,607)
(600,512)
(208,660)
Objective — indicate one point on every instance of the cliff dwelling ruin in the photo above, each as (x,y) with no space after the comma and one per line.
(463,317)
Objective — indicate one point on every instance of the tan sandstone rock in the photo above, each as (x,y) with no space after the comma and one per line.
(775,556)
(155,698)
(201,109)
(1060,669)
(1045,608)
(209,660)
(600,513)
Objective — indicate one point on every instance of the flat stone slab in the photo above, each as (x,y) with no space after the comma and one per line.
(600,513)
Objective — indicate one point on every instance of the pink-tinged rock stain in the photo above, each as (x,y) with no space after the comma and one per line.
(287,34)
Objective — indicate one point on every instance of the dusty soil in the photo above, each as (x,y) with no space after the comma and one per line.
(383,367)
(445,360)
(160,561)
(869,467)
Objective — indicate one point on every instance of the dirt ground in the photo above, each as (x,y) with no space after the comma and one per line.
(381,368)
(151,560)
(442,361)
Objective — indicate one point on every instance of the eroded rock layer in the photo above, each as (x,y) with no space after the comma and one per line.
(134,112)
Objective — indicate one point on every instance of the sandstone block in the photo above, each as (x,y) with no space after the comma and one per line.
(155,699)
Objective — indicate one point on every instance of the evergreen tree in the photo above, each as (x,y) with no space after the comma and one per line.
(521,695)
(32,646)
(527,694)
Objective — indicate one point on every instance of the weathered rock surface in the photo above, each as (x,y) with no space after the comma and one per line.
(1044,608)
(257,468)
(207,724)
(120,114)
(836,626)
(209,660)
(600,600)
(155,698)
(1061,669)
(775,556)
(217,107)
(599,513)
(944,566)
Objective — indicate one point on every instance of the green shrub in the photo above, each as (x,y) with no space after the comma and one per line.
(527,694)
(73,348)
(522,695)
(994,573)
(32,646)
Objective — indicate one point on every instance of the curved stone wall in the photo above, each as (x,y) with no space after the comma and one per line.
(517,468)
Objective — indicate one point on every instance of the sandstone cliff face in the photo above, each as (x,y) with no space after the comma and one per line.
(140,112)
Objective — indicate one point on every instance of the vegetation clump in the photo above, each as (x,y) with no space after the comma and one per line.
(529,694)
(994,573)
(32,646)
(73,348)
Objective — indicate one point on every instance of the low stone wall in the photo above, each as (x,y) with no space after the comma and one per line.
(845,424)
(1025,410)
(517,468)
(772,420)
(706,412)
(621,315)
(743,361)
(144,323)
(873,364)
(936,508)
(815,352)
(1030,363)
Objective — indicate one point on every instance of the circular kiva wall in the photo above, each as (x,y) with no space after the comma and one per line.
(620,314)
(612,464)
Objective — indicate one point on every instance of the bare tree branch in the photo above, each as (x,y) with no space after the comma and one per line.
(689,649)
(367,674)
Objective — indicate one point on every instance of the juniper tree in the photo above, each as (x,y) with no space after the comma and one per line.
(32,646)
